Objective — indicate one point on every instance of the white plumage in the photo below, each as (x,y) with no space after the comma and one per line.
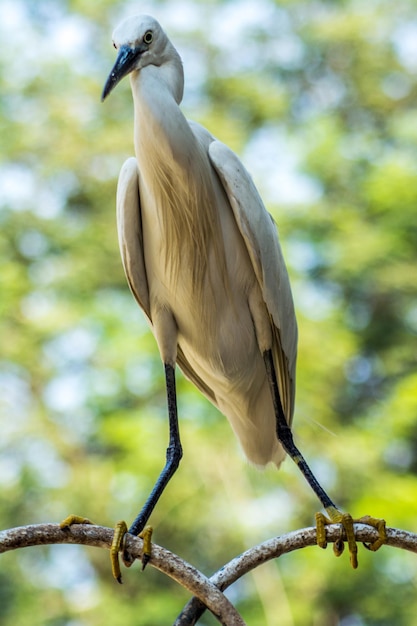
(202,258)
(200,251)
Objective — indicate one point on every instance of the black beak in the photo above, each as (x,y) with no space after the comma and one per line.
(125,62)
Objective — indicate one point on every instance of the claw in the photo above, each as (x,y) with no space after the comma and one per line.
(380,526)
(321,521)
(118,545)
(346,520)
(146,535)
(73,519)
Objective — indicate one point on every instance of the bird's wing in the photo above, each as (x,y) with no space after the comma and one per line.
(129,228)
(191,375)
(261,238)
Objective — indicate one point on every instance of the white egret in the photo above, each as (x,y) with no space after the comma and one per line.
(203,260)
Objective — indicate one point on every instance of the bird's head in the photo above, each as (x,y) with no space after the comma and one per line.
(140,41)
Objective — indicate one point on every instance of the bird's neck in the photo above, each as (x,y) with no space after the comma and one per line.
(176,179)
(166,79)
(162,136)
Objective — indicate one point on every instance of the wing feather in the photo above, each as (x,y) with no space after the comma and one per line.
(261,238)
(129,228)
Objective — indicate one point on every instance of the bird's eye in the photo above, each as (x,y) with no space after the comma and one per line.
(147,37)
(114,46)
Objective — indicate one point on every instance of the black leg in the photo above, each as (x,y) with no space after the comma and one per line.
(173,457)
(285,437)
(173,454)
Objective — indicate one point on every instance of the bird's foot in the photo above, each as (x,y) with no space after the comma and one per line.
(380,525)
(118,545)
(346,520)
(73,519)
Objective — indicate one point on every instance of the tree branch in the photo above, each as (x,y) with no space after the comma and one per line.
(164,560)
(275,547)
(208,592)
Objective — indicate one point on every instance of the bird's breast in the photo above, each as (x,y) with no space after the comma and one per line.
(197,265)
(215,327)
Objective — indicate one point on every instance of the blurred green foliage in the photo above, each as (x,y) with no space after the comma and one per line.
(319,99)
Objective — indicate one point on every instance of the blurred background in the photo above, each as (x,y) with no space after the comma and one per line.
(319,100)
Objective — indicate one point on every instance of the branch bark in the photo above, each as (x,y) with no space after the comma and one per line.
(275,547)
(164,560)
(208,592)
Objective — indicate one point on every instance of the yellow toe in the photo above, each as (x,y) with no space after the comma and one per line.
(146,535)
(74,519)
(347,522)
(117,546)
